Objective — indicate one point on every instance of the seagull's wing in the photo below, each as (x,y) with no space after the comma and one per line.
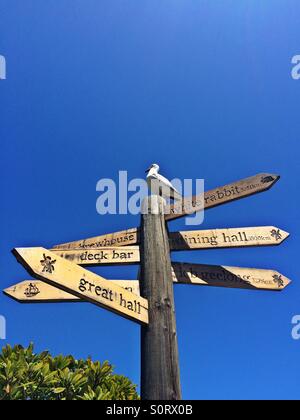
(160,185)
(164,181)
(168,186)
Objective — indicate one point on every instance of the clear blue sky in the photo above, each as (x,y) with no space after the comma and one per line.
(204,88)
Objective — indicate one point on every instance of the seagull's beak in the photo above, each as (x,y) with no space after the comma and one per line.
(147,170)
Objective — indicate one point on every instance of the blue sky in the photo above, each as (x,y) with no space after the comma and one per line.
(204,88)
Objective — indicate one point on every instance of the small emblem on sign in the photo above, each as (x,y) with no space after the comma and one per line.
(278,279)
(267,179)
(276,234)
(48,264)
(31,291)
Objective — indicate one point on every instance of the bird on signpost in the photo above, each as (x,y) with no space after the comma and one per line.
(160,185)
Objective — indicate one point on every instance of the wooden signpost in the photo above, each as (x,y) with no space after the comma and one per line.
(67,276)
(160,379)
(59,276)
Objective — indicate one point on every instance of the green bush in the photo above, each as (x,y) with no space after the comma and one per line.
(25,375)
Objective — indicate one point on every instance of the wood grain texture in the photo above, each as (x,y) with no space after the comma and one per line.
(36,291)
(197,239)
(221,195)
(160,379)
(227,238)
(100,256)
(69,277)
(117,239)
(232,277)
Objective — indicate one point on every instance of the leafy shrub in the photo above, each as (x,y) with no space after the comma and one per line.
(25,375)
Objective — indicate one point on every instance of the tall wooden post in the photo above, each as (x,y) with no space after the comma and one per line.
(160,378)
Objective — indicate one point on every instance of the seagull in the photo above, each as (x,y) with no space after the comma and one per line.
(160,185)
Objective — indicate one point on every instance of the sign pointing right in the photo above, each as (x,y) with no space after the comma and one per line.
(233,277)
(234,191)
(227,238)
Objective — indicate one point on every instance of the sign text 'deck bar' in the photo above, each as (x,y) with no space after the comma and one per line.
(100,256)
(70,277)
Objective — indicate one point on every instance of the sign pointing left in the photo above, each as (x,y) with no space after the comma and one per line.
(73,279)
(36,291)
(100,256)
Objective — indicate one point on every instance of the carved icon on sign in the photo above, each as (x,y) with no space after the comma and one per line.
(278,279)
(276,234)
(267,179)
(31,291)
(48,264)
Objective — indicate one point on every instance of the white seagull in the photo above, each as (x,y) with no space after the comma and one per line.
(160,185)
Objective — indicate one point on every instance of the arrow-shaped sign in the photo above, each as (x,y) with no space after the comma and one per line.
(33,291)
(71,278)
(227,238)
(201,239)
(233,277)
(117,239)
(100,256)
(89,252)
(36,291)
(236,190)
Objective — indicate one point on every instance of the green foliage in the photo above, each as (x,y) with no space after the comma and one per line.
(25,375)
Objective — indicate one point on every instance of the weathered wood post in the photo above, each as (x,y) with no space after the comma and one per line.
(160,378)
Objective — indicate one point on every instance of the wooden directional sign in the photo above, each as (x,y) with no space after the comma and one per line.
(226,238)
(67,276)
(123,238)
(60,277)
(100,256)
(233,277)
(36,291)
(221,195)
(199,239)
